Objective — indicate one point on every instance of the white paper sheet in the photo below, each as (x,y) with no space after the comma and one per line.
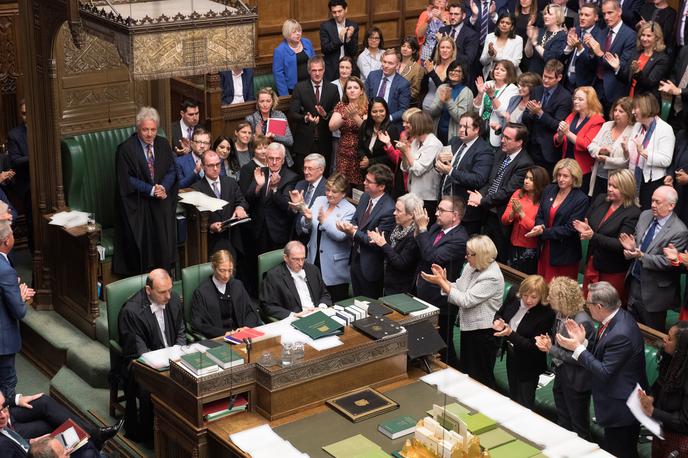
(69,219)
(633,403)
(325,343)
(444,378)
(263,442)
(160,359)
(571,448)
(539,430)
(201,201)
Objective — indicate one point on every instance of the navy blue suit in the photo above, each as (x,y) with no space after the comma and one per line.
(367,260)
(610,87)
(186,171)
(616,364)
(554,49)
(12,309)
(564,240)
(302,186)
(585,63)
(399,94)
(227,83)
(330,45)
(542,129)
(450,253)
(630,13)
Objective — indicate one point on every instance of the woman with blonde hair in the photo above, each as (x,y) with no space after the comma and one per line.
(348,117)
(436,70)
(395,155)
(522,318)
(561,203)
(290,58)
(648,65)
(577,131)
(478,295)
(547,42)
(606,148)
(609,216)
(571,380)
(266,101)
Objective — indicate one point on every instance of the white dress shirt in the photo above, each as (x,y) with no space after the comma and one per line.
(159,312)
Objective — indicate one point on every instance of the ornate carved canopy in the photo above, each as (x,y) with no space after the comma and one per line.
(166,38)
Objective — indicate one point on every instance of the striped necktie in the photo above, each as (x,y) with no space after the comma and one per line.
(500,174)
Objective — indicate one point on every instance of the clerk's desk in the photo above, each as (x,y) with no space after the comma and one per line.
(274,393)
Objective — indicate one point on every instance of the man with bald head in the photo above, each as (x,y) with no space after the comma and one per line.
(152,319)
(653,281)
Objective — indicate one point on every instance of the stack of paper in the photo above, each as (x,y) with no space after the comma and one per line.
(69,219)
(539,431)
(201,201)
(160,359)
(573,447)
(496,406)
(263,442)
(444,378)
(287,333)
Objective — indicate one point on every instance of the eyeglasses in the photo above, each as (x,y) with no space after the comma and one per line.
(201,143)
(5,408)
(367,181)
(444,210)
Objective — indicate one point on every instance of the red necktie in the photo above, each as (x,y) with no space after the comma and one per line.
(601,330)
(438,237)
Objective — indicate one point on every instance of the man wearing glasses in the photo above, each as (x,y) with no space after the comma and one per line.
(443,244)
(227,189)
(189,166)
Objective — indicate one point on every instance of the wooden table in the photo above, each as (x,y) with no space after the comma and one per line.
(273,392)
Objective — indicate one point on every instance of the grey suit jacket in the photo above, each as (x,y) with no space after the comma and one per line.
(659,280)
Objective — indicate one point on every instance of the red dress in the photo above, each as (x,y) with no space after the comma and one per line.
(347,152)
(544,267)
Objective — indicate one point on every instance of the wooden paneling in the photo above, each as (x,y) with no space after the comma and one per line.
(385,6)
(272,13)
(308,10)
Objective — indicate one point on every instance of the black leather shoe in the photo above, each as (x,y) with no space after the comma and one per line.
(103,435)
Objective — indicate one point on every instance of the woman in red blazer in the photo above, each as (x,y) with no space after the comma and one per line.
(579,129)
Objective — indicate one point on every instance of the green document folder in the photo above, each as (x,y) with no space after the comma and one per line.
(495,438)
(478,423)
(515,449)
(403,303)
(357,446)
(317,325)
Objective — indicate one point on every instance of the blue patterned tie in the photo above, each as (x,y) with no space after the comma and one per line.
(637,267)
(484,15)
(500,174)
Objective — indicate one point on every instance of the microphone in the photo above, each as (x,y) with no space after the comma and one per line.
(249,343)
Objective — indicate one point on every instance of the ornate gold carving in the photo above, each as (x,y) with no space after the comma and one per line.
(119,92)
(94,55)
(189,52)
(8,56)
(212,383)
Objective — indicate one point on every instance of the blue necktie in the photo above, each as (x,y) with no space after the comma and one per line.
(500,174)
(484,15)
(637,267)
(545,98)
(14,436)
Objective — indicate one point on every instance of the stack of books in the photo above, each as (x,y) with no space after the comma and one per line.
(224,356)
(199,363)
(317,325)
(398,427)
(238,337)
(223,407)
(345,315)
(378,327)
(404,303)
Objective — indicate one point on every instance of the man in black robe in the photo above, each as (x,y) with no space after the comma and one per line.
(145,227)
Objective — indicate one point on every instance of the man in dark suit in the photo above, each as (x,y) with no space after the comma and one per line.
(23,421)
(190,166)
(307,190)
(390,85)
(18,153)
(549,105)
(145,203)
(312,103)
(619,40)
(12,309)
(375,212)
(231,91)
(508,171)
(227,189)
(467,39)
(654,284)
(338,38)
(294,287)
(444,244)
(468,168)
(182,130)
(616,363)
(152,319)
(482,16)
(268,197)
(582,61)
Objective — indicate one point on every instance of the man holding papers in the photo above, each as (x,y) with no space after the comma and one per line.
(294,287)
(221,237)
(152,319)
(616,362)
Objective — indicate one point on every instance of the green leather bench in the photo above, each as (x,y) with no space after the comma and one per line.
(261,81)
(88,175)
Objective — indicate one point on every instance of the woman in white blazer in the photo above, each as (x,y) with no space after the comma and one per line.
(502,44)
(328,247)
(418,160)
(650,147)
(477,293)
(493,97)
